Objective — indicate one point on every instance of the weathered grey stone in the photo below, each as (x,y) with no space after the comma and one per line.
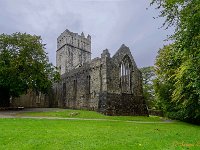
(72,51)
(111,85)
(31,100)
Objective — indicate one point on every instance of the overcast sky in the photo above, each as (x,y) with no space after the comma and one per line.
(111,23)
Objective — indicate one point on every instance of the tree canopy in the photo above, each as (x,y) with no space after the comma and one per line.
(24,65)
(178,65)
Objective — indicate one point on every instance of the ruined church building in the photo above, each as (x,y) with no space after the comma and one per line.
(111,85)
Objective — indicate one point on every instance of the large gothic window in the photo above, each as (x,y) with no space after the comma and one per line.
(125,75)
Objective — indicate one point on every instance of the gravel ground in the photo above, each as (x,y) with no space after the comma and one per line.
(12,113)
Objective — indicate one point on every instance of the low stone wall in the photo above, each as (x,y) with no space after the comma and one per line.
(32,100)
(122,104)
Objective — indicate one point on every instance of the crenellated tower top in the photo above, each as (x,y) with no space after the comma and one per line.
(73,50)
(74,39)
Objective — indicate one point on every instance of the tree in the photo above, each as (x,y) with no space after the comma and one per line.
(165,67)
(148,76)
(184,67)
(24,65)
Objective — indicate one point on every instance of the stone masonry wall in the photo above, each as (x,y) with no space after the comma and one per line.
(96,86)
(112,100)
(122,104)
(79,89)
(31,100)
(72,51)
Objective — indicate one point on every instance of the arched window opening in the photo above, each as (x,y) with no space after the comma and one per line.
(125,75)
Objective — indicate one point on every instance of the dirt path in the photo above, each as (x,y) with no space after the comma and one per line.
(13,114)
(85,119)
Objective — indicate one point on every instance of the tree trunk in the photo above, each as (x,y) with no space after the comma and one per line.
(4,97)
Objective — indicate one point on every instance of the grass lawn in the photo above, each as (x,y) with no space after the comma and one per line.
(20,133)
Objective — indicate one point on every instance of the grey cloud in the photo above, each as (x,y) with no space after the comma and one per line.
(110,23)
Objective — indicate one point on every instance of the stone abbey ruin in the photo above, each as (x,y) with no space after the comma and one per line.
(111,85)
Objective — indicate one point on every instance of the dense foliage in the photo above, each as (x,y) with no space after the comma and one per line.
(178,65)
(148,75)
(24,65)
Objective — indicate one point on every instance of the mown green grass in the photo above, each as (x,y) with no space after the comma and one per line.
(69,113)
(23,134)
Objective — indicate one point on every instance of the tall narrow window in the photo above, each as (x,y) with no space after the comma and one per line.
(88,83)
(125,75)
(78,43)
(64,94)
(64,91)
(75,89)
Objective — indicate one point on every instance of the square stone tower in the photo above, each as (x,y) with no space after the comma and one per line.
(72,51)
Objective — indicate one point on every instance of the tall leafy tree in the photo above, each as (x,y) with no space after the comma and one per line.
(165,68)
(148,76)
(24,65)
(185,93)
